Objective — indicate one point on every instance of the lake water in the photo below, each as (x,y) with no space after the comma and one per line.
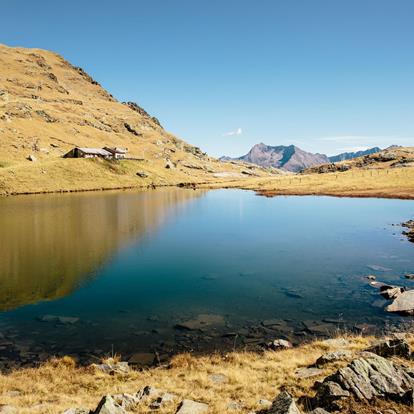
(131,266)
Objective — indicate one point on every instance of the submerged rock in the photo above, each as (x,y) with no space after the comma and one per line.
(192,407)
(391,292)
(201,322)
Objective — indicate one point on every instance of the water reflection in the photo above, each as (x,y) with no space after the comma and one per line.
(49,245)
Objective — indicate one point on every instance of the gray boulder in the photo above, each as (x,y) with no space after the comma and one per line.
(391,347)
(403,304)
(365,378)
(283,404)
(278,344)
(333,357)
(192,407)
(108,406)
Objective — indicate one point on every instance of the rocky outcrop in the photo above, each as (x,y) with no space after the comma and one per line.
(403,304)
(368,377)
(283,404)
(333,357)
(108,406)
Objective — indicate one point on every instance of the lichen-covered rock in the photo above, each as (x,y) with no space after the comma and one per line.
(108,406)
(333,356)
(365,378)
(283,404)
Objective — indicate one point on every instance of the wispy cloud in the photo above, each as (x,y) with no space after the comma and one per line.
(353,149)
(238,131)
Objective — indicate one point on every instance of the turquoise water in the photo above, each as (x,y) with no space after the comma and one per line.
(131,265)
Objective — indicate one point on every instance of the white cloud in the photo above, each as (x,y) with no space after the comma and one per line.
(353,149)
(238,131)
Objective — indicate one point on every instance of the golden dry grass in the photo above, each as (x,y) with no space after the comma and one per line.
(58,385)
(387,183)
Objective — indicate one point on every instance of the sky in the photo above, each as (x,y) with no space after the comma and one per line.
(326,75)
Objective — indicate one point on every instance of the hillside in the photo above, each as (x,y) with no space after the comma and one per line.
(48,106)
(392,157)
(289,158)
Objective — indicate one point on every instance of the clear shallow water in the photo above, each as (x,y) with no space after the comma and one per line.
(131,265)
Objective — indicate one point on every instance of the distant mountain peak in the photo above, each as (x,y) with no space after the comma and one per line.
(287,157)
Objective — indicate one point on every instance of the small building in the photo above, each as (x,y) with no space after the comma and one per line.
(107,153)
(88,153)
(117,152)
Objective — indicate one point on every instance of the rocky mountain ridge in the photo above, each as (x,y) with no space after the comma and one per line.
(289,158)
(292,158)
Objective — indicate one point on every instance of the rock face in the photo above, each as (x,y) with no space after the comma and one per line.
(289,158)
(192,407)
(403,304)
(365,378)
(283,404)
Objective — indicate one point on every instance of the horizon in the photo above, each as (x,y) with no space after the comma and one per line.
(227,76)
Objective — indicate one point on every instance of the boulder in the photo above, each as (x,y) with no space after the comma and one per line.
(162,400)
(393,292)
(108,406)
(409,276)
(278,344)
(365,378)
(192,407)
(391,347)
(32,158)
(403,304)
(75,411)
(126,401)
(283,404)
(112,367)
(333,357)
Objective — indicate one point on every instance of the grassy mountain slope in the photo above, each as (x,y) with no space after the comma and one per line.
(48,106)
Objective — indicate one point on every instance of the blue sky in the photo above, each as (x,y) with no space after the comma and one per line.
(326,75)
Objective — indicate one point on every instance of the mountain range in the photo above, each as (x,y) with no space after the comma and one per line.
(292,158)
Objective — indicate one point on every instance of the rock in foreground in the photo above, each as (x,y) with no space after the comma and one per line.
(283,404)
(366,378)
(403,304)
